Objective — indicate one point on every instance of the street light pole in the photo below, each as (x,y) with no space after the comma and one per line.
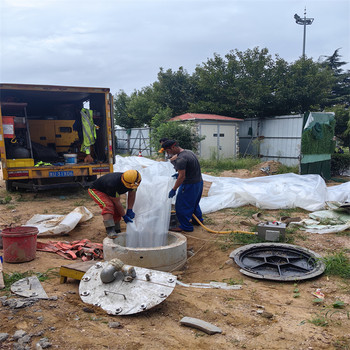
(305,22)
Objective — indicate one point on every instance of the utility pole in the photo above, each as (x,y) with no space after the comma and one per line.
(305,22)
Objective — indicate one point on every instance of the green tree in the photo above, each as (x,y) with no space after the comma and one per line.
(342,126)
(173,90)
(121,113)
(306,86)
(341,88)
(242,84)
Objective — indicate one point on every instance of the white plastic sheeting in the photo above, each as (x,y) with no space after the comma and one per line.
(269,192)
(54,225)
(152,206)
(326,221)
(339,193)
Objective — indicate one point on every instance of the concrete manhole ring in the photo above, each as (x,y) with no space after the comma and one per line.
(278,261)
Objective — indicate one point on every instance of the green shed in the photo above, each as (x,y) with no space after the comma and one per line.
(317,144)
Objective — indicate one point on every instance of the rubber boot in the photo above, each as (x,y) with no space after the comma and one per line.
(117,227)
(109,225)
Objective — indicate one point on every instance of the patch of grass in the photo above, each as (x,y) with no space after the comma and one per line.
(208,220)
(11,278)
(10,206)
(232,281)
(284,169)
(344,233)
(319,320)
(245,211)
(7,199)
(217,166)
(338,304)
(291,230)
(301,237)
(233,239)
(337,264)
(342,344)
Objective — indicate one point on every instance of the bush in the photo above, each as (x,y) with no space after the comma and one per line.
(183,133)
(340,162)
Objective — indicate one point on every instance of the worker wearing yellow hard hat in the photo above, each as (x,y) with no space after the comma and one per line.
(106,191)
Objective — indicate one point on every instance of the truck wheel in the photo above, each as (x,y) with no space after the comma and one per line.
(9,187)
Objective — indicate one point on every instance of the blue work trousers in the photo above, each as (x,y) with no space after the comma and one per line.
(187,203)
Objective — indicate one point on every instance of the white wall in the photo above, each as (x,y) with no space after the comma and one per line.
(221,140)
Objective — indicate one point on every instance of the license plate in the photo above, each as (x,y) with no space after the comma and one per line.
(60,173)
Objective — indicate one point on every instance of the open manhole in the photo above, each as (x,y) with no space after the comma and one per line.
(278,261)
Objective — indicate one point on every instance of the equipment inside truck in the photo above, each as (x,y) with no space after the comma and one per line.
(53,135)
(46,125)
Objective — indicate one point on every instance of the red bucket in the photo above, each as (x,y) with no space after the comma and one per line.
(19,243)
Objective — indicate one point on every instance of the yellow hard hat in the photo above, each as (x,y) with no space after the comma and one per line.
(131,179)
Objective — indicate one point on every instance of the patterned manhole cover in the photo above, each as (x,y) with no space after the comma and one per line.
(278,261)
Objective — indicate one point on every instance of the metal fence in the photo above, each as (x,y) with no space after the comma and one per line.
(134,141)
(277,138)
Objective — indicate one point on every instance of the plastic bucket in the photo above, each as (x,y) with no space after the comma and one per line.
(19,243)
(70,158)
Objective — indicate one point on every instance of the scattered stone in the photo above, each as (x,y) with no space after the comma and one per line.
(260,306)
(3,337)
(44,343)
(40,318)
(25,339)
(229,262)
(19,334)
(115,325)
(53,306)
(200,324)
(38,334)
(54,298)
(77,318)
(3,298)
(265,314)
(88,310)
(52,329)
(19,303)
(18,346)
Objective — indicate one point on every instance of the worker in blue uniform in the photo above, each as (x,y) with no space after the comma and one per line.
(189,184)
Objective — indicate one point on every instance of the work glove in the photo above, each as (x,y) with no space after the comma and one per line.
(127,219)
(175,176)
(130,213)
(172,193)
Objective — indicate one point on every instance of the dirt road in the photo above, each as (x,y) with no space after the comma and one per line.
(287,323)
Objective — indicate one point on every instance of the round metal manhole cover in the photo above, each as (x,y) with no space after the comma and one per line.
(278,261)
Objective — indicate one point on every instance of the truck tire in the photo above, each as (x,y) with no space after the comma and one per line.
(9,187)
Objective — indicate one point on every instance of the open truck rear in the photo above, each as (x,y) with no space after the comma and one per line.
(41,135)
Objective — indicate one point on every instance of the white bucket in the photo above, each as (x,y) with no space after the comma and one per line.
(70,158)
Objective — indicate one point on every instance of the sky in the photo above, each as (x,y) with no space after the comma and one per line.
(121,44)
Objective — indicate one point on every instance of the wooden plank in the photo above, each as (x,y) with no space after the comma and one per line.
(75,271)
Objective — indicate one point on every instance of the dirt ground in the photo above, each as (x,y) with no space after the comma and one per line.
(287,323)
